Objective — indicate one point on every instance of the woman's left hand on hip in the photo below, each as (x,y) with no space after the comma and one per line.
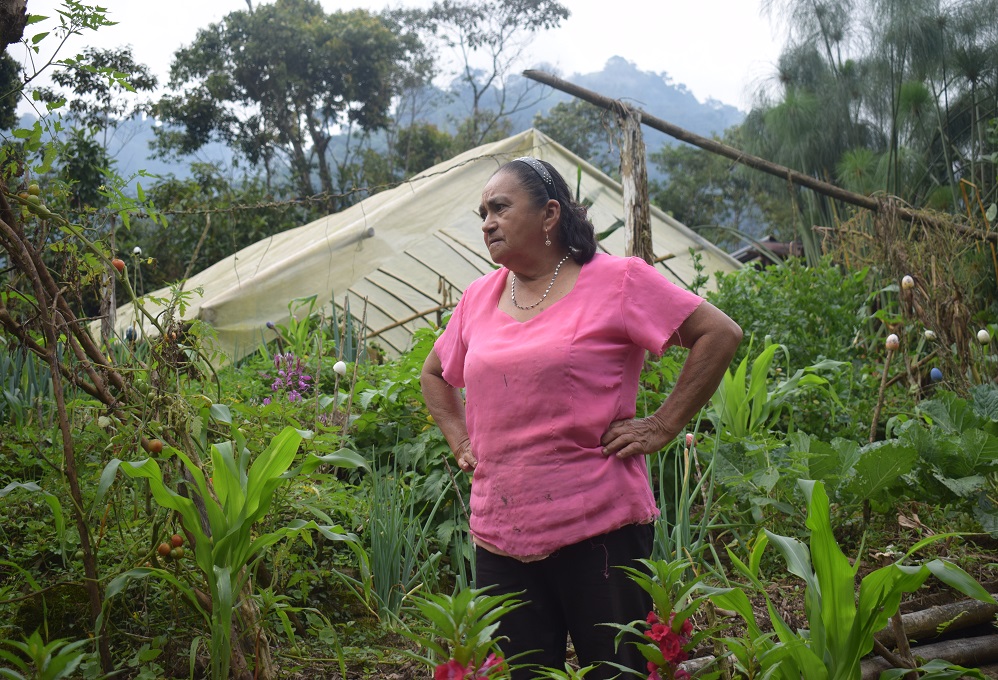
(634,437)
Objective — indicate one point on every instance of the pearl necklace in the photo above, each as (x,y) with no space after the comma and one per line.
(512,289)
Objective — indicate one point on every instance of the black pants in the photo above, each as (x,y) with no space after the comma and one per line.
(571,592)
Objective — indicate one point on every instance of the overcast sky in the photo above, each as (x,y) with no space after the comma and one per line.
(720,49)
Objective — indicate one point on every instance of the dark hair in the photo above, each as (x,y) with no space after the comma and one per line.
(577,232)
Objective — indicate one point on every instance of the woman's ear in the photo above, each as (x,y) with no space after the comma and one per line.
(552,212)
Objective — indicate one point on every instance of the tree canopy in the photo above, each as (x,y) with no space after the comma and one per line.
(278,82)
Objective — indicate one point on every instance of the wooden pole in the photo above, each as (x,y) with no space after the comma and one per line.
(634,178)
(785,173)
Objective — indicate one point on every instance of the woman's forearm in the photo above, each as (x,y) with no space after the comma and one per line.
(716,338)
(444,403)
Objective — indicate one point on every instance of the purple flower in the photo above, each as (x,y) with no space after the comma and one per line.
(291,379)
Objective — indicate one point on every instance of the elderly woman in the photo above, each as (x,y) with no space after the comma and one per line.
(549,350)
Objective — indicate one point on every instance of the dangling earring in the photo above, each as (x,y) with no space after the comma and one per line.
(547,239)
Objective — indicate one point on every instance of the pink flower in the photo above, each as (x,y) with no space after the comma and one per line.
(492,662)
(680,674)
(687,627)
(652,618)
(672,648)
(658,631)
(653,672)
(452,670)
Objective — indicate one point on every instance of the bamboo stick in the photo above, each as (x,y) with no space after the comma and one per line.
(825,188)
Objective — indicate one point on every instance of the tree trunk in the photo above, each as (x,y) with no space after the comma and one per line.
(54,323)
(13,19)
(634,178)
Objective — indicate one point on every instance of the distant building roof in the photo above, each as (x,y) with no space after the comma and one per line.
(754,251)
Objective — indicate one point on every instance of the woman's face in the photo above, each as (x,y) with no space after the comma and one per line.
(512,225)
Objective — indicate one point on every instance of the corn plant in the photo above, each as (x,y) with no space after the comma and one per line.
(841,625)
(744,404)
(226,548)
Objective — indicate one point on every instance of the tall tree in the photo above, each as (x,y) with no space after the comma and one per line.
(887,95)
(102,88)
(278,82)
(487,38)
(583,128)
(10,84)
(704,190)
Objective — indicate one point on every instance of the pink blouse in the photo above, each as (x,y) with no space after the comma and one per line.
(540,395)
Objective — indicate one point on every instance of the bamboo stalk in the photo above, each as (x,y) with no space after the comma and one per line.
(875,205)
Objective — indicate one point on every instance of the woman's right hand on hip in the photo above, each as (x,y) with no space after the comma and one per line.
(465,458)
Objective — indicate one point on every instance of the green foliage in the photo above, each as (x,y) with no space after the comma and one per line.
(841,623)
(420,146)
(9,88)
(812,311)
(83,163)
(99,82)
(54,505)
(291,112)
(195,236)
(585,129)
(400,560)
(26,385)
(683,531)
(704,190)
(39,661)
(228,544)
(744,403)
(956,442)
(460,627)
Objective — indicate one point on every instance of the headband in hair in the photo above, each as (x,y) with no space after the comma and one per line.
(542,172)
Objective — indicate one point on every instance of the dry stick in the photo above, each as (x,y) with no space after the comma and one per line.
(755,162)
(900,637)
(356,360)
(69,454)
(880,396)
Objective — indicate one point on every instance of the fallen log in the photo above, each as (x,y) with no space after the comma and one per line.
(968,652)
(934,621)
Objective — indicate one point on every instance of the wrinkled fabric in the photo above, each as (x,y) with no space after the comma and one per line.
(540,394)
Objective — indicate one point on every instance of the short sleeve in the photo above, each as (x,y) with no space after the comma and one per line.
(451,347)
(653,307)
